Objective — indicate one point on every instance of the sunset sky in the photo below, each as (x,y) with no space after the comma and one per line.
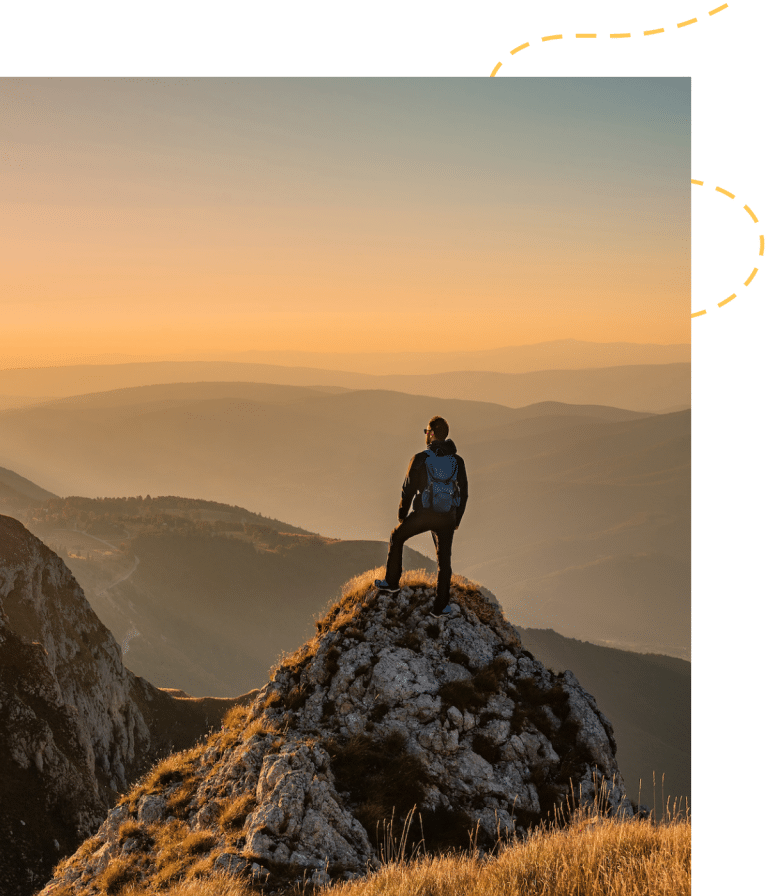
(156,217)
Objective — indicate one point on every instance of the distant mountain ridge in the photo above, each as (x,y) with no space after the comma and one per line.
(654,388)
(17,487)
(207,595)
(577,519)
(570,353)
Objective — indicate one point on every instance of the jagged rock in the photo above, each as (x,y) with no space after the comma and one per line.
(76,726)
(384,711)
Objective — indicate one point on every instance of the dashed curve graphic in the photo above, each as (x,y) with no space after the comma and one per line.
(761,250)
(614,36)
(650,33)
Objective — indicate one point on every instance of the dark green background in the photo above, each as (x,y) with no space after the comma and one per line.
(723,55)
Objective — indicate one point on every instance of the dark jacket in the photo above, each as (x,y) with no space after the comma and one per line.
(417,479)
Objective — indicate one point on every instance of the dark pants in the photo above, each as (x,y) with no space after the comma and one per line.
(442,526)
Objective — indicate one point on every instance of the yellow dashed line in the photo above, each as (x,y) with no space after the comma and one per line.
(549,37)
(699,183)
(751,214)
(762,245)
(750,278)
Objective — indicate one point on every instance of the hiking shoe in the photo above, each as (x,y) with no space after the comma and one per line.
(382,585)
(448,611)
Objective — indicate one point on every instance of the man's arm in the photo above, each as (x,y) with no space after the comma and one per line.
(461,478)
(410,487)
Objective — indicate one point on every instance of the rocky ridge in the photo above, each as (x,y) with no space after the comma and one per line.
(384,710)
(76,727)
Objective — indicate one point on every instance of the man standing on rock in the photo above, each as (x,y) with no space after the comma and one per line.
(437,479)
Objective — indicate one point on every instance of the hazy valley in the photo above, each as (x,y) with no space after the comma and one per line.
(578,522)
(214,595)
(578,517)
(204,597)
(653,388)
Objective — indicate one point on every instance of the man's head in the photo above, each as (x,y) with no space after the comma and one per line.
(437,430)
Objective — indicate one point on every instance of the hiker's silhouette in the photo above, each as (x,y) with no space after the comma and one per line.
(436,484)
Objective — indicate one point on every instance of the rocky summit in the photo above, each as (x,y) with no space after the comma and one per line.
(389,726)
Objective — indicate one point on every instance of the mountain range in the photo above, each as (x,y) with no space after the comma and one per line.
(657,388)
(184,625)
(578,516)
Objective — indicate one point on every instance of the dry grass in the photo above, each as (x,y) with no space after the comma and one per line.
(234,814)
(177,768)
(260,728)
(475,692)
(593,856)
(382,778)
(342,611)
(212,885)
(117,875)
(604,858)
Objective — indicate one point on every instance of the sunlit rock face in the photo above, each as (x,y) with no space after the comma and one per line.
(76,726)
(388,723)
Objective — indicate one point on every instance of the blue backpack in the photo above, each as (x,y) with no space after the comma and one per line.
(442,492)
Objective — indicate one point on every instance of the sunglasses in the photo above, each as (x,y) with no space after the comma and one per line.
(426,431)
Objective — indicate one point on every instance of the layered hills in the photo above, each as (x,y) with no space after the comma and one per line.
(204,596)
(657,388)
(384,712)
(152,589)
(578,519)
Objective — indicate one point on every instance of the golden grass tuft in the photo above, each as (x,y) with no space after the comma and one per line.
(216,884)
(593,856)
(260,728)
(87,848)
(234,814)
(177,768)
(198,842)
(117,875)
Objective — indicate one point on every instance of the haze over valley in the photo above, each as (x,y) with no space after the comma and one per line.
(205,598)
(578,516)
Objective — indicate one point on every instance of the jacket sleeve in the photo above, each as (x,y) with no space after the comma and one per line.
(461,477)
(410,487)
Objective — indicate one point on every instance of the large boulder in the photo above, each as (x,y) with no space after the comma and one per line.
(388,727)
